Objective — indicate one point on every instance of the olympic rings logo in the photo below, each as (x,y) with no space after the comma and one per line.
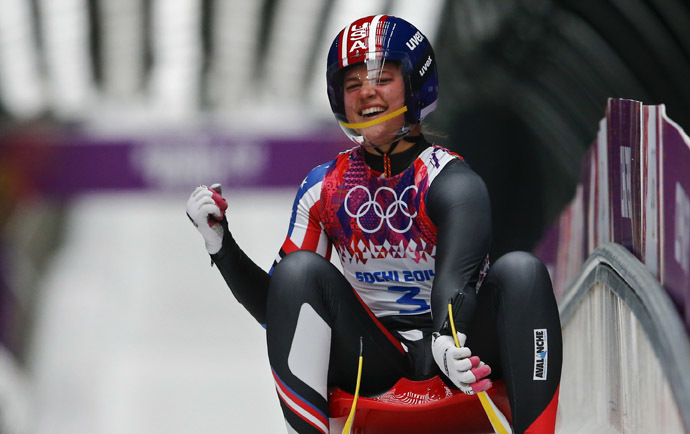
(398,204)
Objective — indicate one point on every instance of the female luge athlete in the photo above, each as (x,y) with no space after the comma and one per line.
(410,222)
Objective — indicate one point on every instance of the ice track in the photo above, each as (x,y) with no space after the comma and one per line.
(136,332)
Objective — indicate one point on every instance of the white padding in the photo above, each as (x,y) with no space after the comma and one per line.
(311,344)
(626,388)
(412,335)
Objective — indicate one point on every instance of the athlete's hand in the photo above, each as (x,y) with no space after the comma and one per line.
(464,370)
(206,208)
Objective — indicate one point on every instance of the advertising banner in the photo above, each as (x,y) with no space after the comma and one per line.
(635,191)
(675,148)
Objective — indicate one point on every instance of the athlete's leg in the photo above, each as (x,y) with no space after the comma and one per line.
(517,307)
(313,327)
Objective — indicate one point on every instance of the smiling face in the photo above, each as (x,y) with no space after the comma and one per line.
(374,94)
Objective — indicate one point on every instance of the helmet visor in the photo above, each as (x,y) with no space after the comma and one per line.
(370,97)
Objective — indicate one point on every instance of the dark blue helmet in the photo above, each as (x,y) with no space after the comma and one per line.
(380,38)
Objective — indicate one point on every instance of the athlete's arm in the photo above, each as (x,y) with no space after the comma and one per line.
(206,210)
(458,204)
(247,281)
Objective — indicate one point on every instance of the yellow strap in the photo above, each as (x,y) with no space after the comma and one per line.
(351,417)
(483,397)
(493,417)
(375,121)
(452,325)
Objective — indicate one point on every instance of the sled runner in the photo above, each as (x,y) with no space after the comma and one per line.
(427,406)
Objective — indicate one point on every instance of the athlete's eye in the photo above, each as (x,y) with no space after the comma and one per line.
(353,85)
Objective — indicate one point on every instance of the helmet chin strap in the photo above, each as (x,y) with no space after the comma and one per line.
(376,121)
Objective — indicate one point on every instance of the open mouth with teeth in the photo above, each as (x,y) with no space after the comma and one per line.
(371,112)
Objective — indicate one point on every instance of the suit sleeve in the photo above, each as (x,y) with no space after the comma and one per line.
(458,204)
(306,231)
(248,282)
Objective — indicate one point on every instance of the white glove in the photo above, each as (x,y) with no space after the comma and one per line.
(206,208)
(464,370)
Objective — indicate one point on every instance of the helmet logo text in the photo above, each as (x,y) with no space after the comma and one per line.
(415,40)
(424,67)
(357,34)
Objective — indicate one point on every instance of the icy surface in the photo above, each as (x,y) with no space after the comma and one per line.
(138,334)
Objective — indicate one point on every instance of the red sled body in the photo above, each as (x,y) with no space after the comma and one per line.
(427,406)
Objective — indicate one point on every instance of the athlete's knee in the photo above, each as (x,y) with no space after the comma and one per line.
(296,265)
(294,275)
(523,272)
(517,260)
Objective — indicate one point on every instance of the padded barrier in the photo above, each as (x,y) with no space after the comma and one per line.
(626,353)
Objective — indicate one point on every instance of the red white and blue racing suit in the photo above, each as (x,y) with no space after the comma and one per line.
(408,244)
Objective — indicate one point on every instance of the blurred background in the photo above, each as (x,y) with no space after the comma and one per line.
(112,111)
